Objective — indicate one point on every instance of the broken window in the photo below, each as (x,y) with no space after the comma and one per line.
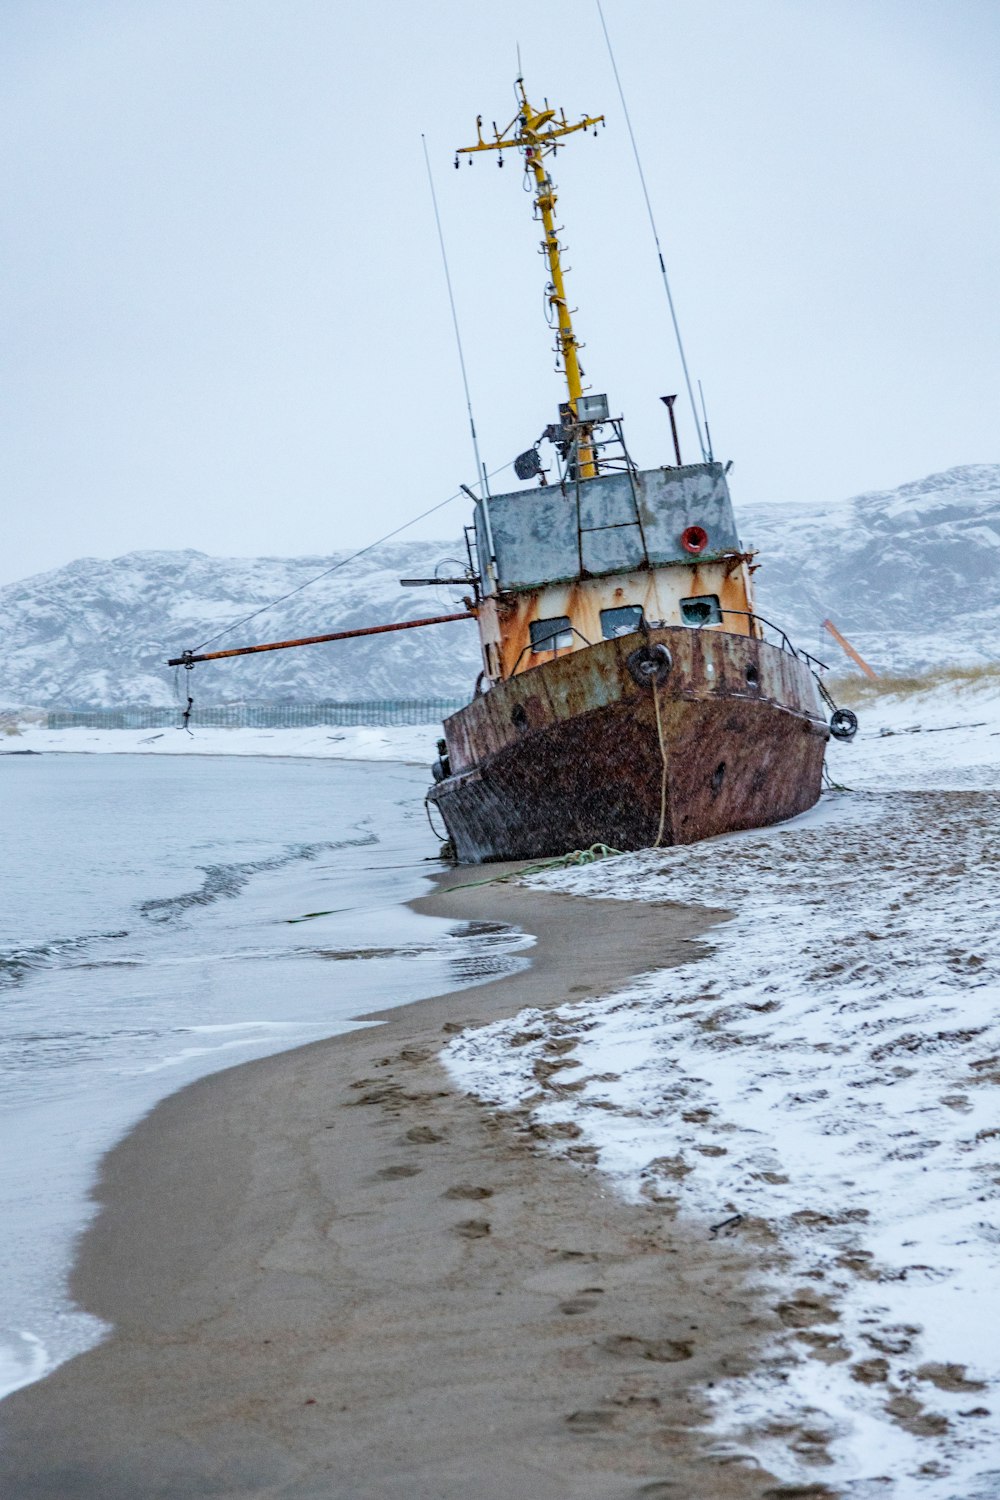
(551,635)
(704,609)
(621,621)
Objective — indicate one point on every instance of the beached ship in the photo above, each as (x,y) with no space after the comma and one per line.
(630,695)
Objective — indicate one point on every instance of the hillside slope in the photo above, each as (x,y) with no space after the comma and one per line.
(912,575)
(98,633)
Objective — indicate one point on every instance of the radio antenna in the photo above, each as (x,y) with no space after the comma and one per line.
(704,412)
(480,466)
(656,237)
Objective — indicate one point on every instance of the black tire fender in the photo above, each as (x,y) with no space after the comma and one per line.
(843,724)
(649,666)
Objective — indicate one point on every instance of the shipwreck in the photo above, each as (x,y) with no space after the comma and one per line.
(630,695)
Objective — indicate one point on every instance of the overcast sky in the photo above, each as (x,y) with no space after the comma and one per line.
(225,323)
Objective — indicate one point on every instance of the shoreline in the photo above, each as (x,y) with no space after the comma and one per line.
(331,1275)
(411,744)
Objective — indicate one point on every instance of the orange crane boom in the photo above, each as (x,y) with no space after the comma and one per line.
(854,655)
(189,658)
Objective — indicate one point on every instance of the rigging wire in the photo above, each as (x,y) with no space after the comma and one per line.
(342,563)
(454,312)
(481,475)
(656,237)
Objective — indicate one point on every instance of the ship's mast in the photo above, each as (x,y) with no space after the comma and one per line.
(536,133)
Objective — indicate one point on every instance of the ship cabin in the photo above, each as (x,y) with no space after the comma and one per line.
(584,559)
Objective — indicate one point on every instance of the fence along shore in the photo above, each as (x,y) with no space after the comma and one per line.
(377,712)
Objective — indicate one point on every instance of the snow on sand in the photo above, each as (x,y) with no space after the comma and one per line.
(821,1085)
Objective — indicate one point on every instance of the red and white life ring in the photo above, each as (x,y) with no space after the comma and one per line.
(694,539)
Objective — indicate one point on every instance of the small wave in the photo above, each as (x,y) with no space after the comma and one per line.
(15,963)
(486,950)
(26,1056)
(223,882)
(176,1059)
(350,955)
(219,1027)
(23,1359)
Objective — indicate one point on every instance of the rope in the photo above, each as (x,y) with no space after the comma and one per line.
(185,713)
(831,785)
(666,767)
(442,836)
(564,861)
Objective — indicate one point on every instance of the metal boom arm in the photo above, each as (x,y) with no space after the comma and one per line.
(189,658)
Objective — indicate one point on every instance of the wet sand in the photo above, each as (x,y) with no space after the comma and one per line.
(333,1278)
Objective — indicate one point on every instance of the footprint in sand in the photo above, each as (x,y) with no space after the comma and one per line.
(382,1093)
(390,1174)
(473,1229)
(895,1340)
(949,1378)
(661,1351)
(584,1302)
(911,1414)
(423,1135)
(805,1309)
(468,1190)
(413,1055)
(590,1421)
(801,1492)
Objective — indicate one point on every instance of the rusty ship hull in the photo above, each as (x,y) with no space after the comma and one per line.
(571,753)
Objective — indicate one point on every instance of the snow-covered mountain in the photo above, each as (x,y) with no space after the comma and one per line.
(97,633)
(911,575)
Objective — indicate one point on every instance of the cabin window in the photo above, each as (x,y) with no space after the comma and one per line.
(551,635)
(621,621)
(702,610)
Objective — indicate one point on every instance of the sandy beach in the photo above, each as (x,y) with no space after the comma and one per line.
(331,1275)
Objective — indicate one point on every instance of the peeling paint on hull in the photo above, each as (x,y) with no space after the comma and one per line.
(568,754)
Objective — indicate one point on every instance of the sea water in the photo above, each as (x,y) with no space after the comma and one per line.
(164,919)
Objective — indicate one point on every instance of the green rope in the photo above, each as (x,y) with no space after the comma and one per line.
(577,857)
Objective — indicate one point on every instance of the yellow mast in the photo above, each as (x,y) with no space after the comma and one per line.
(536,132)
